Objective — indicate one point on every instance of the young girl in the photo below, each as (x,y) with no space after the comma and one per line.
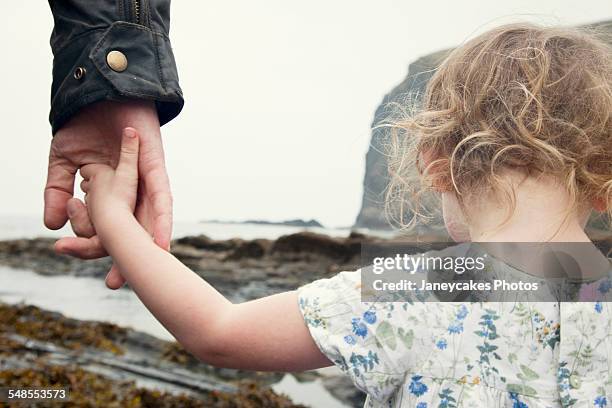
(515,135)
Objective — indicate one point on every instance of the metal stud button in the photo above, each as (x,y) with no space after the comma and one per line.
(117,61)
(79,73)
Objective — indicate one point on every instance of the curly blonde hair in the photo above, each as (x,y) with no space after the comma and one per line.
(521,96)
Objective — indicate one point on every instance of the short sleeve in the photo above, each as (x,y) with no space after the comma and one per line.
(368,341)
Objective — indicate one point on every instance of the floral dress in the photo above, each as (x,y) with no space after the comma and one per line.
(446,355)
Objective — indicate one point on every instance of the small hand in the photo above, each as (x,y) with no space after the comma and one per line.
(94,136)
(110,192)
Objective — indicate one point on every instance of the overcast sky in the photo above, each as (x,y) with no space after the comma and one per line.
(279,96)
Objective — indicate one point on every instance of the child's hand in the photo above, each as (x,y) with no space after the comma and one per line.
(112,192)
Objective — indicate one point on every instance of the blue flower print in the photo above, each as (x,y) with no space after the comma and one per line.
(456,327)
(416,387)
(441,344)
(600,402)
(359,328)
(462,312)
(605,287)
(421,405)
(516,402)
(369,317)
(598,307)
(446,399)
(350,339)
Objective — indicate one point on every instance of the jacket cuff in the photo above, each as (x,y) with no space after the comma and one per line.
(83,74)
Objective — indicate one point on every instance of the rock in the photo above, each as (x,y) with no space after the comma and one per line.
(289,223)
(38,255)
(376,177)
(42,348)
(93,389)
(312,223)
(254,249)
(341,387)
(203,242)
(312,244)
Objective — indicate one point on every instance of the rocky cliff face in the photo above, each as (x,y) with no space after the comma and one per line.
(372,213)
(375,181)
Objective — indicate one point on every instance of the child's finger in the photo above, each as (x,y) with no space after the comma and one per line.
(90,169)
(128,159)
(114,280)
(79,219)
(85,186)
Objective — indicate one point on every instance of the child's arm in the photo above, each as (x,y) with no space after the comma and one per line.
(264,334)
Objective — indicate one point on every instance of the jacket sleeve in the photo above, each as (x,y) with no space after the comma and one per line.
(112,50)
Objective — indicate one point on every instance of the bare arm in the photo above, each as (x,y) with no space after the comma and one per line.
(263,334)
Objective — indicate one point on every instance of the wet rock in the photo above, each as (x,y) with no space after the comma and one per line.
(35,323)
(317,245)
(89,389)
(341,387)
(254,249)
(204,242)
(43,348)
(38,255)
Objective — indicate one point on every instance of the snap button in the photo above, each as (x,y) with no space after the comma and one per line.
(79,73)
(575,381)
(117,61)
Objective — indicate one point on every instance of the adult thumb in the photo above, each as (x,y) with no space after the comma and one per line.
(128,158)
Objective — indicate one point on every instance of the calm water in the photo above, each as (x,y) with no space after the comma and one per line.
(89,299)
(30,227)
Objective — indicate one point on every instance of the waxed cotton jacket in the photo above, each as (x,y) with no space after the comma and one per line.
(112,50)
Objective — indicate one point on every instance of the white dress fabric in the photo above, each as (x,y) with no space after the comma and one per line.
(447,355)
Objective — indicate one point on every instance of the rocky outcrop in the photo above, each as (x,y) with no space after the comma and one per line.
(312,223)
(376,176)
(101,364)
(297,222)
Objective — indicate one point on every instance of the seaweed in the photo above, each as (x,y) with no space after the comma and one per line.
(35,323)
(87,389)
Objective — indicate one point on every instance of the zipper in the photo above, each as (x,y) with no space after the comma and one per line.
(136,10)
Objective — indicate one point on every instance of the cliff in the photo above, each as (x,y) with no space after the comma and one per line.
(375,180)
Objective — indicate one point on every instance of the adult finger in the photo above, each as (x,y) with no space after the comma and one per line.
(58,190)
(160,197)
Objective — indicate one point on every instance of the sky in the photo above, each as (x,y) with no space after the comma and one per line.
(279,94)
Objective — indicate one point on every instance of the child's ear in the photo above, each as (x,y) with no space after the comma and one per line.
(600,204)
(432,164)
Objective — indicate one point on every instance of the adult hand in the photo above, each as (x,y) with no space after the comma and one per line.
(94,136)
